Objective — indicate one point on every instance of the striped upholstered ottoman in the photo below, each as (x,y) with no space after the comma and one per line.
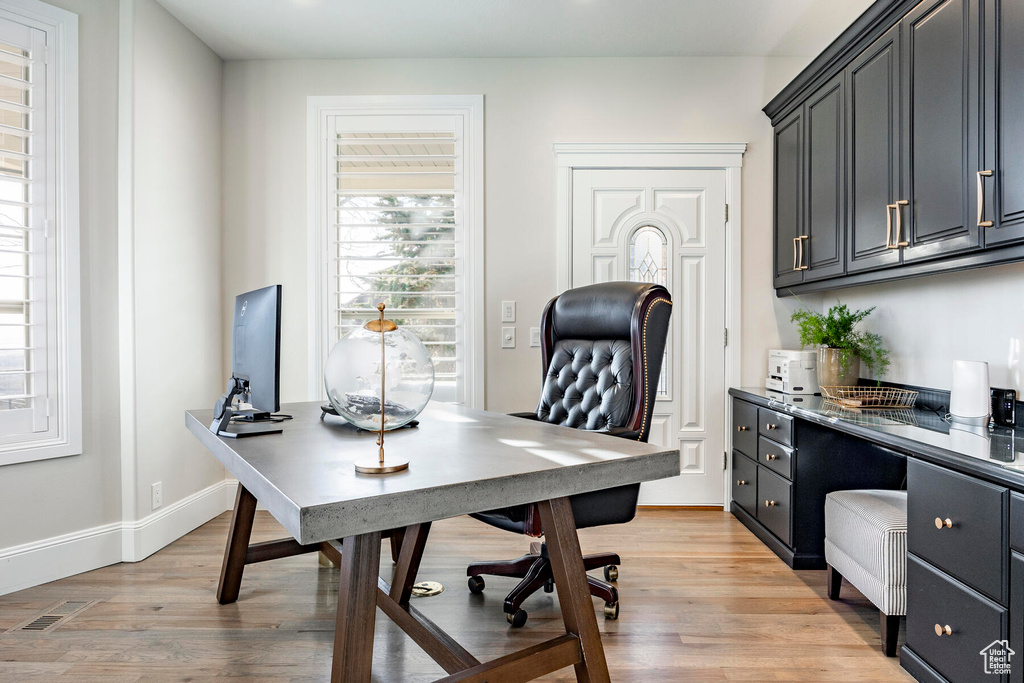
(866,541)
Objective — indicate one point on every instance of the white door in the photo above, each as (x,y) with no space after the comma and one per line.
(667,226)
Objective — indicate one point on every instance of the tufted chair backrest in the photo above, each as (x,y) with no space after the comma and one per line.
(602,347)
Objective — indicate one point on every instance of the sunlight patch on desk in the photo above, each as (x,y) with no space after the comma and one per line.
(558,457)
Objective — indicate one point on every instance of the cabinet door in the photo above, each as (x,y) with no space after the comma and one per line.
(789,143)
(1017,613)
(872,122)
(824,218)
(940,75)
(1004,97)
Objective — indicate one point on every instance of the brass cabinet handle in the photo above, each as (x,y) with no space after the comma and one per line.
(943,630)
(981,200)
(742,428)
(769,503)
(796,240)
(939,523)
(801,239)
(888,226)
(770,456)
(771,426)
(899,222)
(741,482)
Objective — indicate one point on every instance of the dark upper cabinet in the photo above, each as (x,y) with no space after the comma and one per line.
(1003,191)
(873,185)
(928,163)
(789,145)
(940,128)
(824,173)
(809,219)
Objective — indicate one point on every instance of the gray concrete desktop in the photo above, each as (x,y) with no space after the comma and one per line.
(461,461)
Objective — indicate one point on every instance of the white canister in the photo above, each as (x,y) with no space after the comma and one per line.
(970,399)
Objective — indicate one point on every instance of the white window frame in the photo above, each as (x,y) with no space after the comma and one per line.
(471,255)
(64,331)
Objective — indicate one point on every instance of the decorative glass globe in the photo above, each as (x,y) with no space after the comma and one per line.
(353,382)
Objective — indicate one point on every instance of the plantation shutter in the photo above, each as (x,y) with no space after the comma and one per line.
(27,257)
(394,223)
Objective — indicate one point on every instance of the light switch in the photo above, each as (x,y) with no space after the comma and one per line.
(508,337)
(508,311)
(534,336)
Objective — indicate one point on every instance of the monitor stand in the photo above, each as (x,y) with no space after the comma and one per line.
(222,414)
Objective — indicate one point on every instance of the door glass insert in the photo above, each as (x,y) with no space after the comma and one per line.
(648,262)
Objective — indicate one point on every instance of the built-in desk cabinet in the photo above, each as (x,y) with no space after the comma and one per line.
(959,574)
(883,150)
(783,467)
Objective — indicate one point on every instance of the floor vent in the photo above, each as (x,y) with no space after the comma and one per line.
(53,616)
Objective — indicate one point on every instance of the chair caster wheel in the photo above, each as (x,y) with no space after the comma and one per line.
(517,620)
(476,585)
(611,611)
(611,573)
(549,587)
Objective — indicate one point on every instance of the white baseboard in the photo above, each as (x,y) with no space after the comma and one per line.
(142,538)
(32,564)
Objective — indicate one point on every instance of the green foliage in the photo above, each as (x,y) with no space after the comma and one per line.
(835,330)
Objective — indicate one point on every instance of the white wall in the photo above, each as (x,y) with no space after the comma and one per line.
(39,500)
(177,252)
(930,322)
(529,105)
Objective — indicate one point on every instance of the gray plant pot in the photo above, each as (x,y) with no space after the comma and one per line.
(837,367)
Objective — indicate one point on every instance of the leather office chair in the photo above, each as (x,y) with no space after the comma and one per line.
(602,347)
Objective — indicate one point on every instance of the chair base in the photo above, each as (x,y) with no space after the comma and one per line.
(889,624)
(534,569)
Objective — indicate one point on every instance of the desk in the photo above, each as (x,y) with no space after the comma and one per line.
(461,461)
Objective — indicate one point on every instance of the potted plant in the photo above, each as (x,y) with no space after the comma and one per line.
(841,348)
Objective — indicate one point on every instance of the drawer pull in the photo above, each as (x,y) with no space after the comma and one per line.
(740,482)
(742,428)
(770,456)
(943,630)
(771,427)
(939,523)
(769,503)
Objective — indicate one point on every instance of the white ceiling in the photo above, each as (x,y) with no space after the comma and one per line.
(297,29)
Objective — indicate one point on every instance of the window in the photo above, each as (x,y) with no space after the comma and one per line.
(648,262)
(397,221)
(40,386)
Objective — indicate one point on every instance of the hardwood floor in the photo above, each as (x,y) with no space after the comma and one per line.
(702,600)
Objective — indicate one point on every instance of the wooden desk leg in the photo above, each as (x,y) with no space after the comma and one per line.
(357,608)
(572,589)
(237,545)
(414,540)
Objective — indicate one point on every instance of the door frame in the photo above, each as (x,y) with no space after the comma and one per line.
(725,156)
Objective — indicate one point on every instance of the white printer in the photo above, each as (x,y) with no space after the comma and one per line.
(792,372)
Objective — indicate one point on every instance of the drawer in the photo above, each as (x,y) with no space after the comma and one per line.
(774,503)
(1017,612)
(1017,522)
(744,482)
(775,457)
(775,426)
(933,598)
(973,549)
(744,427)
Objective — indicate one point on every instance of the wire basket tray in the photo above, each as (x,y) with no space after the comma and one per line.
(870,397)
(873,417)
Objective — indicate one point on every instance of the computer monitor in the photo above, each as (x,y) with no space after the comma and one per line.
(255,365)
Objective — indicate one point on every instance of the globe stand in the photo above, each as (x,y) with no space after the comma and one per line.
(381,466)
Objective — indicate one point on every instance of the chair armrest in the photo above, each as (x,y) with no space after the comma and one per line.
(525,416)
